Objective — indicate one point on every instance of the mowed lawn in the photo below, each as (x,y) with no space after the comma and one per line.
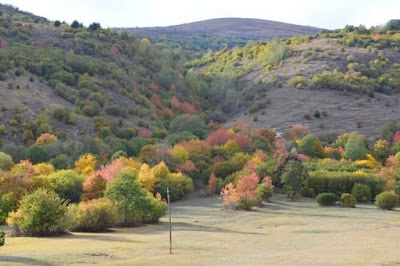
(279,233)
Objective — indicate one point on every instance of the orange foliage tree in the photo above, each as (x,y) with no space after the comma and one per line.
(46,138)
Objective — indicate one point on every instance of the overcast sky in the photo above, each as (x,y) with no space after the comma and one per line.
(140,13)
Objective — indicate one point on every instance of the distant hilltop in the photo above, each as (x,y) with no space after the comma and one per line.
(238,27)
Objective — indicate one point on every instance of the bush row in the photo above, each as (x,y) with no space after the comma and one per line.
(342,182)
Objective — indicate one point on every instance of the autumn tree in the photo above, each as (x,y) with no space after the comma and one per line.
(85,164)
(46,138)
(247,191)
(219,137)
(93,187)
(146,177)
(212,183)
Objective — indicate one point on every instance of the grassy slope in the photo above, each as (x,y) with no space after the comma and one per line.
(280,233)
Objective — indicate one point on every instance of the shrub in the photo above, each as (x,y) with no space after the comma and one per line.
(361,192)
(42,213)
(307,192)
(67,184)
(297,82)
(6,161)
(348,200)
(327,199)
(94,216)
(387,200)
(135,204)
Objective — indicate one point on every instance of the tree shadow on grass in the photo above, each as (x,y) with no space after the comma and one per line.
(23,260)
(181,226)
(116,237)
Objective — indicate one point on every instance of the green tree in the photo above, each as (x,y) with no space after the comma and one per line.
(94,26)
(75,24)
(355,147)
(135,204)
(311,146)
(293,176)
(36,154)
(57,23)
(185,122)
(6,161)
(67,184)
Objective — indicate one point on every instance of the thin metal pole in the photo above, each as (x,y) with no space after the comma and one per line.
(170,225)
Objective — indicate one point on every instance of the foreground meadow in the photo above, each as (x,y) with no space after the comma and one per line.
(281,232)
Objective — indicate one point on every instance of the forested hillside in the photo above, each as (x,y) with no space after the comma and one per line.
(97,123)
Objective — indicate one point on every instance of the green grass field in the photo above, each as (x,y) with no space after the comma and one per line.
(279,233)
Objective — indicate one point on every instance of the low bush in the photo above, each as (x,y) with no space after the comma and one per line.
(348,200)
(264,191)
(387,200)
(327,199)
(94,216)
(361,192)
(42,213)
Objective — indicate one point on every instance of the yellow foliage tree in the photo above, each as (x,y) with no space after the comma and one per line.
(85,164)
(160,171)
(179,154)
(43,169)
(147,177)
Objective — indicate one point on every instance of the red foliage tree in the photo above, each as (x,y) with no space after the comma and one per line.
(155,99)
(114,50)
(297,131)
(219,137)
(144,132)
(396,137)
(280,148)
(212,183)
(109,171)
(244,142)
